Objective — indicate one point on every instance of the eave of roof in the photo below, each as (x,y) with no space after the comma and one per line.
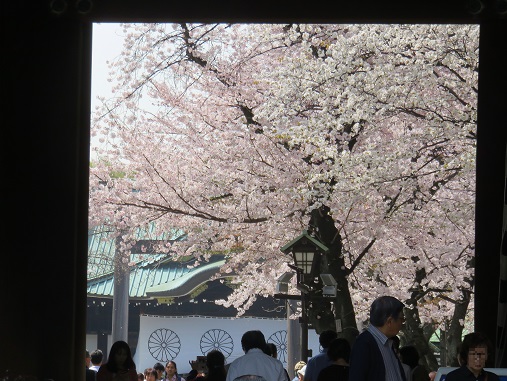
(169,279)
(186,283)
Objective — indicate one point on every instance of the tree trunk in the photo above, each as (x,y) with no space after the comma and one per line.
(413,330)
(455,332)
(453,335)
(332,313)
(414,334)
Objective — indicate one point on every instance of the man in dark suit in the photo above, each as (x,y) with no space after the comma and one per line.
(372,357)
(91,375)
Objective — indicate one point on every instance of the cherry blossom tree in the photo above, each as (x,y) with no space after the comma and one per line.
(243,135)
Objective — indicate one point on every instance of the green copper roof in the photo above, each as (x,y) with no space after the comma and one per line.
(151,275)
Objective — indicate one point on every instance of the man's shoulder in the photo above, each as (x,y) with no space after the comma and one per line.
(236,361)
(256,359)
(320,357)
(311,360)
(90,375)
(253,356)
(314,359)
(364,343)
(365,333)
(364,336)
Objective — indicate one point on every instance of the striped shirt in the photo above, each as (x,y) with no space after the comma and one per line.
(391,361)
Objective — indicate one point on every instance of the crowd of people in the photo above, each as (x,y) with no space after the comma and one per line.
(375,355)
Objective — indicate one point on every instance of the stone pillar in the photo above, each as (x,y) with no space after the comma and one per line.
(293,337)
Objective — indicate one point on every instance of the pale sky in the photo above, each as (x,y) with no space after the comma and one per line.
(106,45)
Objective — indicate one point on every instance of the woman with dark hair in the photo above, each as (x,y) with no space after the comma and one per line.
(120,366)
(171,372)
(473,355)
(339,354)
(160,371)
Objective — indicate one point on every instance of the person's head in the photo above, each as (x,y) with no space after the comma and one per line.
(326,337)
(301,373)
(96,357)
(171,369)
(215,360)
(160,370)
(140,376)
(386,313)
(120,357)
(253,339)
(87,358)
(409,356)
(299,365)
(339,348)
(474,351)
(146,371)
(151,374)
(271,350)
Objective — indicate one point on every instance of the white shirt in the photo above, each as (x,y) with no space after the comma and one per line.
(95,368)
(256,363)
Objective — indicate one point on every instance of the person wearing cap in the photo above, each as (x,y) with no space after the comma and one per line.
(299,365)
(301,373)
